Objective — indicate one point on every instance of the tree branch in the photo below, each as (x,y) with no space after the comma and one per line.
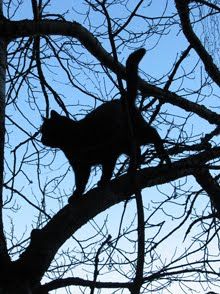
(60,283)
(96,270)
(211,186)
(210,5)
(138,279)
(45,242)
(183,11)
(17,29)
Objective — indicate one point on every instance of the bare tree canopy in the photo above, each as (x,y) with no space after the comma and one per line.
(151,230)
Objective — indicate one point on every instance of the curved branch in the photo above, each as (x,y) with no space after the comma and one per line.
(23,28)
(45,242)
(183,11)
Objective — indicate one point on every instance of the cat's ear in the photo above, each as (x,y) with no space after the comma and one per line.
(54,114)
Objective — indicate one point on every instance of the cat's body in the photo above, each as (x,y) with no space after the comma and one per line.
(104,134)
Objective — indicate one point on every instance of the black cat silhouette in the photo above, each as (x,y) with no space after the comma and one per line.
(104,134)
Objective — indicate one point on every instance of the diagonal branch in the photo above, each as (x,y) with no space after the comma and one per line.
(170,80)
(208,4)
(183,10)
(46,242)
(23,28)
(129,18)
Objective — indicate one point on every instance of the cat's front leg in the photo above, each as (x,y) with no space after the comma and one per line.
(82,173)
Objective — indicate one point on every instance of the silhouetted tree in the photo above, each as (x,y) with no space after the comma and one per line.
(166,235)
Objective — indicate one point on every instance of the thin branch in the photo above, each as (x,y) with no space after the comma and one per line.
(176,67)
(28,201)
(96,270)
(60,283)
(114,50)
(208,4)
(129,19)
(170,80)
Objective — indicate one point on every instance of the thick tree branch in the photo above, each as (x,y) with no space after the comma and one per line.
(17,29)
(45,243)
(183,10)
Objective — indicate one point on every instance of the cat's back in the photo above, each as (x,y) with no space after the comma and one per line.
(106,115)
(105,111)
(105,122)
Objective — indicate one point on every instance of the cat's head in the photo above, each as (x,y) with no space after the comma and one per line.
(54,130)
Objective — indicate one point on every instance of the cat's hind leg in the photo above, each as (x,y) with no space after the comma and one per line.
(107,170)
(135,158)
(150,135)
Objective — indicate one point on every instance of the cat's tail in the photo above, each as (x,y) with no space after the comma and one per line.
(132,75)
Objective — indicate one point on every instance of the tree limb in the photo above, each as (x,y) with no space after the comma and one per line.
(60,283)
(46,242)
(23,28)
(183,11)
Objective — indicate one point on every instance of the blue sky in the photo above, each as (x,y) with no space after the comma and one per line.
(155,66)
